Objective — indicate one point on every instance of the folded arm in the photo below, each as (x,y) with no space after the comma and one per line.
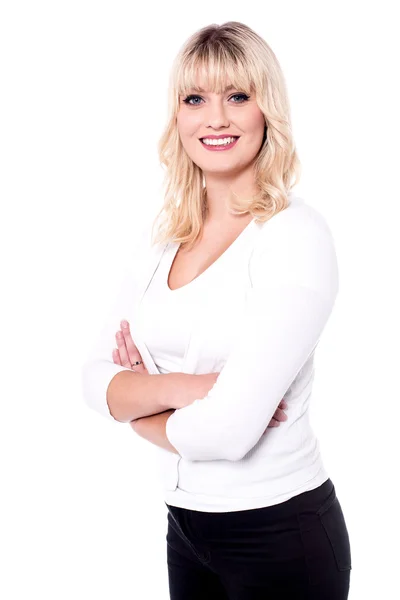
(152,429)
(100,379)
(295,283)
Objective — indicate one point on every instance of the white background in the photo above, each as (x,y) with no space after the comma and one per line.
(83,103)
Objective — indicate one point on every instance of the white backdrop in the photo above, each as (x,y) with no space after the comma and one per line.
(83,102)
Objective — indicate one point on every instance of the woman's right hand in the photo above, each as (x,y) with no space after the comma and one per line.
(126,353)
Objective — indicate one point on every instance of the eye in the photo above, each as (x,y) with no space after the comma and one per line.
(188,99)
(243,96)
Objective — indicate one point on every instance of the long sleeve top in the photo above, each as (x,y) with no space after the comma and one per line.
(255,315)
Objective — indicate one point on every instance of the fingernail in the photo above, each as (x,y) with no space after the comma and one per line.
(124,324)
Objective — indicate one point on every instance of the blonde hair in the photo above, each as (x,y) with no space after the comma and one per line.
(230,52)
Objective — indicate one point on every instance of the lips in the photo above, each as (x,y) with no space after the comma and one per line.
(220,147)
(222,137)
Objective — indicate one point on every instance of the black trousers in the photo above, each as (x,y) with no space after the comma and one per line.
(295,550)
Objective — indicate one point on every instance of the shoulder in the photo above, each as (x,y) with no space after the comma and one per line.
(296,247)
(143,245)
(298,219)
(141,250)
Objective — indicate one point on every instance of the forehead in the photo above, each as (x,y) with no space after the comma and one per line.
(206,88)
(203,86)
(207,78)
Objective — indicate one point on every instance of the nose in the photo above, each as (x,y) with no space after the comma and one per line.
(215,115)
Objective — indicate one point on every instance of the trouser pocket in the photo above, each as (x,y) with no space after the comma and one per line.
(325,539)
(332,519)
(174,523)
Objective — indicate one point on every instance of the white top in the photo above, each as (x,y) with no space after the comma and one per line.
(256,316)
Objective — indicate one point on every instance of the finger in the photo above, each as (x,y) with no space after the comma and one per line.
(123,353)
(116,357)
(133,352)
(273,423)
(283,404)
(279,415)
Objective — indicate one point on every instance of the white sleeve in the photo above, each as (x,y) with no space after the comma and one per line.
(294,276)
(98,368)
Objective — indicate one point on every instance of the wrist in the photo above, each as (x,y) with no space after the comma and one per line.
(188,387)
(182,390)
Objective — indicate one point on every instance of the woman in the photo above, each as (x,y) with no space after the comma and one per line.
(233,303)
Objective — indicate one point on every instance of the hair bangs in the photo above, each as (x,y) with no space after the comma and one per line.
(213,72)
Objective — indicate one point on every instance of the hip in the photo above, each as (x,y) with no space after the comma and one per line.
(306,534)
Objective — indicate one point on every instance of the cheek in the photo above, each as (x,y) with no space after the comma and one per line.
(188,125)
(259,123)
(254,122)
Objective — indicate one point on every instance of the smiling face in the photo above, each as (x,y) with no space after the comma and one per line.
(232,113)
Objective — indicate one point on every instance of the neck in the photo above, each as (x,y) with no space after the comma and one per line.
(219,193)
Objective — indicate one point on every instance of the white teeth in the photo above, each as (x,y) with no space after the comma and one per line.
(220,142)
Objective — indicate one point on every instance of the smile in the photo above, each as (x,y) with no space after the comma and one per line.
(219,145)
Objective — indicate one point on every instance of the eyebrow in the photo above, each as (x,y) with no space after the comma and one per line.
(199,89)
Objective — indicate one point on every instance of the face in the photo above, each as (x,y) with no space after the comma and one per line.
(232,113)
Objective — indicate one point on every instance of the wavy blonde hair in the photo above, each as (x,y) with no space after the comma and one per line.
(230,52)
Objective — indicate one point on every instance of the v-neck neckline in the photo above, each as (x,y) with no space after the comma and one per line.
(174,247)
